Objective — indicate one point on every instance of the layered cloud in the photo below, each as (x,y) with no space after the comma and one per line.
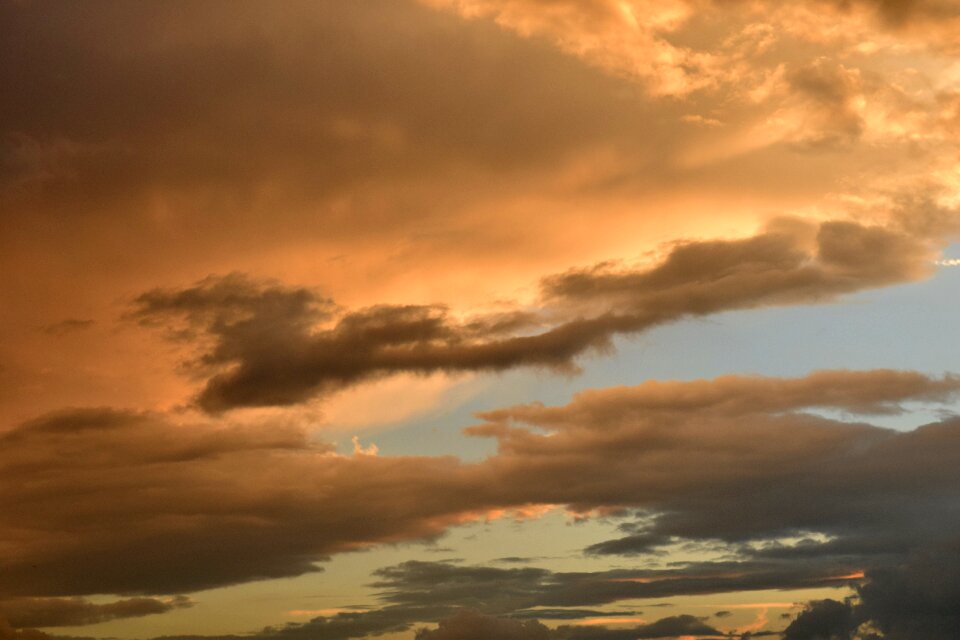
(101,501)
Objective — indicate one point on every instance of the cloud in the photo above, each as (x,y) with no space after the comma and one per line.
(332,120)
(671,627)
(568,614)
(277,345)
(72,612)
(351,624)
(915,600)
(107,501)
(419,584)
(825,106)
(910,600)
(470,625)
(9,633)
(665,47)
(822,619)
(103,501)
(329,144)
(67,326)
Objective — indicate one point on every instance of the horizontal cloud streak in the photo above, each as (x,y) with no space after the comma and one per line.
(73,612)
(277,345)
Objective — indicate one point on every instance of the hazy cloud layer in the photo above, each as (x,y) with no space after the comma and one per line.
(276,345)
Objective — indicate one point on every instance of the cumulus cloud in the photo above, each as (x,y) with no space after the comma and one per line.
(277,345)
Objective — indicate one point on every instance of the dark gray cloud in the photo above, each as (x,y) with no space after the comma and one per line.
(276,345)
(913,599)
(828,619)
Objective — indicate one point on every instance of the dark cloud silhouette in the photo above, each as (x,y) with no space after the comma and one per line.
(909,602)
(916,599)
(640,543)
(471,625)
(130,503)
(72,612)
(826,619)
(276,345)
(568,614)
(419,584)
(354,624)
(672,627)
(913,599)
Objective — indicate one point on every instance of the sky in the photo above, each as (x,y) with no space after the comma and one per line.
(480,319)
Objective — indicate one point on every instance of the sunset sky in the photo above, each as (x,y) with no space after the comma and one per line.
(480,319)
